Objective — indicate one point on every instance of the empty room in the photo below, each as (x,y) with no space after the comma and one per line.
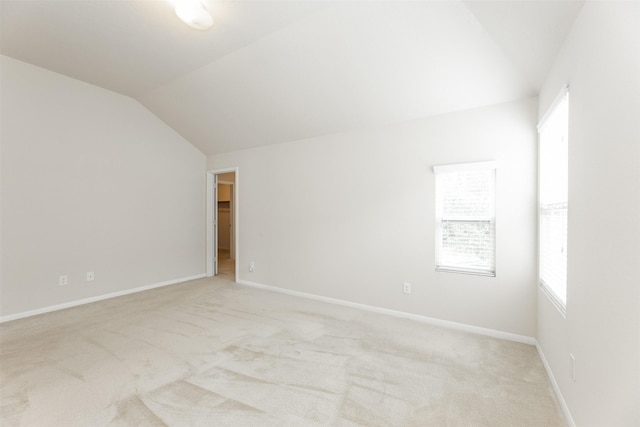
(320,213)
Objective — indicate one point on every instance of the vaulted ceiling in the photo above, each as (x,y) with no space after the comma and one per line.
(278,71)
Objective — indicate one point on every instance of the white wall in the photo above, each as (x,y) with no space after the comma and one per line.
(351,216)
(600,61)
(91,181)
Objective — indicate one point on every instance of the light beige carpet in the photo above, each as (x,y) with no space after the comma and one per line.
(212,353)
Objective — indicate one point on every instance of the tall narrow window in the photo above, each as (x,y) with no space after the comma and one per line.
(554,198)
(465,218)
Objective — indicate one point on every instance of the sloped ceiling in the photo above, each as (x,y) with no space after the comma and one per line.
(277,71)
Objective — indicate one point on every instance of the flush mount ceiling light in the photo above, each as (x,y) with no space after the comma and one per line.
(194,14)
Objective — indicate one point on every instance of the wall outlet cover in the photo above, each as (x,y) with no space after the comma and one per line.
(572,366)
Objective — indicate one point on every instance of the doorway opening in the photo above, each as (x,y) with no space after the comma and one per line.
(222,223)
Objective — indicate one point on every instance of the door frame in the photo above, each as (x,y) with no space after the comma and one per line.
(210,229)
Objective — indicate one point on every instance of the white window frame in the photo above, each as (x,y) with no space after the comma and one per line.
(441,264)
(551,289)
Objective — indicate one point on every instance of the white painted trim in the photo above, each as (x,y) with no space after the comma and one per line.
(95,299)
(424,319)
(556,388)
(553,299)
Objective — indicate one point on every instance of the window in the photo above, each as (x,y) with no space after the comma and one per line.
(465,218)
(553,199)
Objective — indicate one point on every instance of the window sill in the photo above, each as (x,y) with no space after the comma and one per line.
(562,309)
(464,271)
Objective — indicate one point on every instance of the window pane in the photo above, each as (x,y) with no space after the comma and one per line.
(467,244)
(553,248)
(554,160)
(465,218)
(467,194)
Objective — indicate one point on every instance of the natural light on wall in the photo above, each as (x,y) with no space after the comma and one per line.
(554,198)
(194,13)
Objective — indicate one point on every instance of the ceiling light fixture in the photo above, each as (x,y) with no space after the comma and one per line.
(194,14)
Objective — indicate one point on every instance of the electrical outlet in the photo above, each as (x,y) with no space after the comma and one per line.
(90,276)
(63,280)
(252,266)
(406,288)
(572,366)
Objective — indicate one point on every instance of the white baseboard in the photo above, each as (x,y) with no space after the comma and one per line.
(424,319)
(94,299)
(556,388)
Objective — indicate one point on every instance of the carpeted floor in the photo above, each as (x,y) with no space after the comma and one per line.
(226,265)
(213,353)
